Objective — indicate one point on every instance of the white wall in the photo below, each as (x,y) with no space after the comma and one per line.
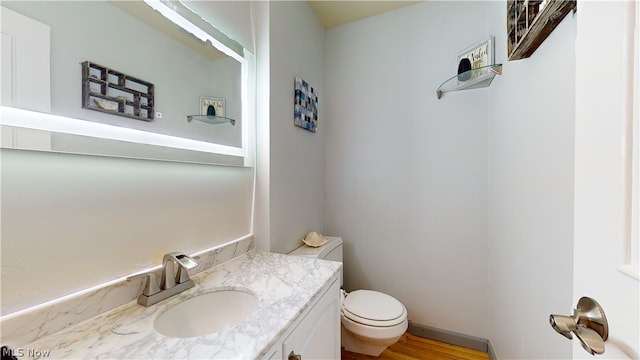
(530,233)
(296,173)
(262,219)
(288,41)
(407,173)
(432,197)
(70,222)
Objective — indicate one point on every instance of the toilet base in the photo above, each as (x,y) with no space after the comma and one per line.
(364,345)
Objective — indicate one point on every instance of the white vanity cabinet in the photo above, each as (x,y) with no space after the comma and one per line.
(316,334)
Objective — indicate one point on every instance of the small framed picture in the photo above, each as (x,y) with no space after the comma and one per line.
(476,56)
(305,105)
(212,106)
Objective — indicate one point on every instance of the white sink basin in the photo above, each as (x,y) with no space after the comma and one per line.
(206,313)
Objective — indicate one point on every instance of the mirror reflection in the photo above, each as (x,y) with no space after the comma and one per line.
(129,46)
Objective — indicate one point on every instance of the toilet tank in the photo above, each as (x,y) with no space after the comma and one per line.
(332,250)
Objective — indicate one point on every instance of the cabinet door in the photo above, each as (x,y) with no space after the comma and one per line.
(317,336)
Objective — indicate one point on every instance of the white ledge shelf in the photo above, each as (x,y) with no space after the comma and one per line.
(211,119)
(472,79)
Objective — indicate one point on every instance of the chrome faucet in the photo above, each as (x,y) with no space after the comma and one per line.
(171,283)
(184,263)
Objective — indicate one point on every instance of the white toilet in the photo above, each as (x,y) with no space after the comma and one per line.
(371,320)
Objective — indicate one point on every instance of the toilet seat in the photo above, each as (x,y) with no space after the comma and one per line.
(373,308)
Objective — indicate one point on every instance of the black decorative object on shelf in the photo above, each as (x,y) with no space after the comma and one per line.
(463,69)
(116,93)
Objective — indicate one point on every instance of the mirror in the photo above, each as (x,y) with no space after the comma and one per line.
(145,76)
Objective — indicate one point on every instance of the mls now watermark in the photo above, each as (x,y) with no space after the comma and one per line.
(8,353)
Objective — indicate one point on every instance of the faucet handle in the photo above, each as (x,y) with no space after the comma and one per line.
(151,285)
(185,261)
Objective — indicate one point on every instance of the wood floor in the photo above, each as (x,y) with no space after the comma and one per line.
(411,347)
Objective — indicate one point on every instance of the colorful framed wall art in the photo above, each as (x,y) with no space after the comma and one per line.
(305,108)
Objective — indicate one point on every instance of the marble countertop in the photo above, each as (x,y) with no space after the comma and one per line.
(285,285)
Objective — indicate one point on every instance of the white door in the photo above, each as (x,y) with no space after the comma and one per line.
(605,224)
(24,75)
(25,62)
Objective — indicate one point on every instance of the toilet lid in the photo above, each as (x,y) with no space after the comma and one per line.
(372,307)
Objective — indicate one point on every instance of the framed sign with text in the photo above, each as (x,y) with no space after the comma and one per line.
(212,106)
(476,56)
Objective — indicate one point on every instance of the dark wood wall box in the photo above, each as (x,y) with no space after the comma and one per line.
(529,23)
(116,93)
